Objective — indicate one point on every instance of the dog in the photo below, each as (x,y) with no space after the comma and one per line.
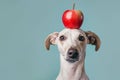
(72,47)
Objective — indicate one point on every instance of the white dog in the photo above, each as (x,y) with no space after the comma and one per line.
(72,46)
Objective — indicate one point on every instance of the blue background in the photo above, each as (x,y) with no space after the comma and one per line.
(24,24)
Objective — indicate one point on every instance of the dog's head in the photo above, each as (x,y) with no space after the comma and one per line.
(72,43)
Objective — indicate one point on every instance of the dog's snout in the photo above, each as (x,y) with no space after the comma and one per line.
(73,53)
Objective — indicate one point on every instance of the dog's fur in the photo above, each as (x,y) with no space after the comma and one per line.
(70,40)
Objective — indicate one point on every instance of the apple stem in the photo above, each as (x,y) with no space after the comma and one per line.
(73,6)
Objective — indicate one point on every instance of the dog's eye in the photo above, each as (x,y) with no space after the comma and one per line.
(61,38)
(81,38)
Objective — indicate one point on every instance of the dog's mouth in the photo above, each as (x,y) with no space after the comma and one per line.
(70,60)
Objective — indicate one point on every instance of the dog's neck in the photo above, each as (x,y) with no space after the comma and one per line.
(71,71)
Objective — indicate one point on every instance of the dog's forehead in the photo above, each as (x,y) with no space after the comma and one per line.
(71,31)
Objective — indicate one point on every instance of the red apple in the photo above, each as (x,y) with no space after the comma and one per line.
(72,19)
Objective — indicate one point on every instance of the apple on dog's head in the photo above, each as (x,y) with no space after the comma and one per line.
(72,19)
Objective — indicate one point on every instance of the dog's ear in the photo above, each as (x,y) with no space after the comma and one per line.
(93,39)
(51,40)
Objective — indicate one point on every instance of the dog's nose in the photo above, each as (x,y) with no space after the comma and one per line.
(73,53)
